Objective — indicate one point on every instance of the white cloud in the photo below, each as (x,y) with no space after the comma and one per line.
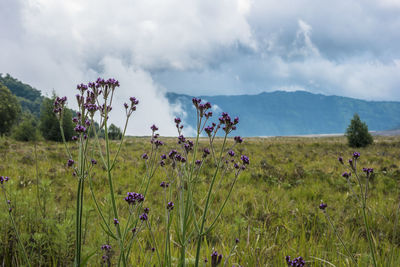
(62,43)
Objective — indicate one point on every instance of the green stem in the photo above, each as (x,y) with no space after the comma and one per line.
(38,182)
(340,239)
(110,182)
(155,244)
(364,204)
(120,144)
(99,210)
(223,205)
(24,254)
(206,205)
(371,246)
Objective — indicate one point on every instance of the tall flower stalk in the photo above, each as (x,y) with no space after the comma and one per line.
(185,173)
(92,98)
(362,195)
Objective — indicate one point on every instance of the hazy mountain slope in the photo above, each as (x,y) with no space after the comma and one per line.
(296,113)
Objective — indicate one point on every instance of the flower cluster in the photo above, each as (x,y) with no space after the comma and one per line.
(297,262)
(3,179)
(133,197)
(215,259)
(229,125)
(202,108)
(88,102)
(59,104)
(107,249)
(154,137)
(143,217)
(70,162)
(238,139)
(323,206)
(170,206)
(178,124)
(368,171)
(164,184)
(132,107)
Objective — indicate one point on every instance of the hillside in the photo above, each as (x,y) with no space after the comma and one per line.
(297,113)
(29,97)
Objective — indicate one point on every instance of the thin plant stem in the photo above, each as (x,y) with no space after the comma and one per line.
(110,182)
(24,254)
(206,205)
(340,239)
(155,244)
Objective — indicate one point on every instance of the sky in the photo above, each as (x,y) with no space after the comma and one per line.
(202,47)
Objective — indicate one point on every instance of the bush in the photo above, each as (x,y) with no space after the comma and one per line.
(27,129)
(357,133)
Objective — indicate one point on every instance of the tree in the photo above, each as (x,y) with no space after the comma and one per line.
(357,133)
(9,110)
(114,133)
(49,124)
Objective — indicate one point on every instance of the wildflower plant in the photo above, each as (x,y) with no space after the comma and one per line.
(93,99)
(183,171)
(360,191)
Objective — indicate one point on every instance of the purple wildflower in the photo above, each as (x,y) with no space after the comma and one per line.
(238,139)
(215,259)
(154,128)
(170,206)
(164,184)
(143,217)
(70,162)
(245,159)
(346,174)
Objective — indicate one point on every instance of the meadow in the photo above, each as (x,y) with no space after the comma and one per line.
(273,210)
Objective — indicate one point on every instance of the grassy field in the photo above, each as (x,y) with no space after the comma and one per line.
(273,210)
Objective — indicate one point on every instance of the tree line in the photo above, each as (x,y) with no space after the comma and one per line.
(26,115)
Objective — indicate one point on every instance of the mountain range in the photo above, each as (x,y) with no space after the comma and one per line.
(283,113)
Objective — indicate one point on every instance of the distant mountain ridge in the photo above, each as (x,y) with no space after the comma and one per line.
(283,113)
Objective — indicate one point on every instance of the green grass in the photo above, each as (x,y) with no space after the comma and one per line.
(273,209)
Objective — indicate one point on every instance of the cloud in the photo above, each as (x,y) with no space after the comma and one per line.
(348,48)
(53,45)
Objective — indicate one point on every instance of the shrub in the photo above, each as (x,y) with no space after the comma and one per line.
(357,133)
(27,129)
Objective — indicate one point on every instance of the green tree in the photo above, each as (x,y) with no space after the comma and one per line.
(357,133)
(49,125)
(27,129)
(114,133)
(9,110)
